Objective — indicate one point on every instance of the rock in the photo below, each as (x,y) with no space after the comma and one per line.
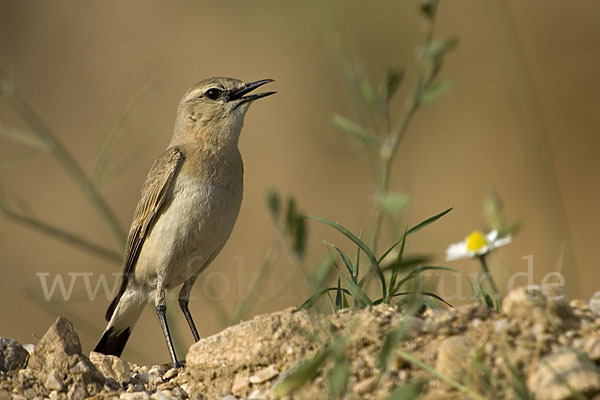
(364,386)
(241,384)
(530,305)
(13,356)
(557,375)
(439,321)
(58,343)
(112,385)
(54,381)
(412,326)
(134,396)
(112,367)
(162,395)
(265,338)
(29,347)
(264,374)
(170,374)
(453,356)
(594,303)
(77,391)
(590,346)
(257,394)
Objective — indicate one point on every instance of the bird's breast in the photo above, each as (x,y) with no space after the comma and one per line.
(192,227)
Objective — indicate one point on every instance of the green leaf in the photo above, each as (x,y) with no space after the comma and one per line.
(428,8)
(274,203)
(338,377)
(369,95)
(402,265)
(435,90)
(343,256)
(360,297)
(353,130)
(323,272)
(299,244)
(418,271)
(407,391)
(300,375)
(428,221)
(393,203)
(339,303)
(291,216)
(356,263)
(118,133)
(392,78)
(295,227)
(424,299)
(25,138)
(374,264)
(395,336)
(414,229)
(315,297)
(438,48)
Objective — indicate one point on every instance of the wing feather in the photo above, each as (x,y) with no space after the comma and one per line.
(155,192)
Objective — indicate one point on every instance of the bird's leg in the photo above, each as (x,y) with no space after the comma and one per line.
(184,299)
(161,311)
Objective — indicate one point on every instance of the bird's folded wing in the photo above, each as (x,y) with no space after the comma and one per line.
(155,191)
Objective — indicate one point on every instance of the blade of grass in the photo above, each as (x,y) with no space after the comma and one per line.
(70,164)
(305,372)
(414,229)
(117,135)
(373,261)
(462,388)
(315,297)
(344,257)
(62,235)
(360,297)
(418,270)
(428,294)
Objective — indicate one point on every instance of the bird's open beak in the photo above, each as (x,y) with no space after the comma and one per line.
(247,88)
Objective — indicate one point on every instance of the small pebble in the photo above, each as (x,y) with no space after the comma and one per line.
(264,374)
(162,395)
(171,373)
(134,396)
(54,381)
(594,303)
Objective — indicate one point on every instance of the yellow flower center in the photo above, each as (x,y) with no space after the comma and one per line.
(476,241)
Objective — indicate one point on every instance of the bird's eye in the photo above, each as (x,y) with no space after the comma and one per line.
(213,93)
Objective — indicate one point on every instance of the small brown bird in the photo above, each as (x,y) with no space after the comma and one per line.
(189,203)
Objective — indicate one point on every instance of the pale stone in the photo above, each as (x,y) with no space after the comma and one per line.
(264,374)
(54,381)
(556,376)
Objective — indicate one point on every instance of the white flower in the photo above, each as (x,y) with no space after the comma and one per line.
(476,244)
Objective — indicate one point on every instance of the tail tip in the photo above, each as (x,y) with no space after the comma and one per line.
(112,341)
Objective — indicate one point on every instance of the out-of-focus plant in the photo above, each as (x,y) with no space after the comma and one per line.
(377,127)
(380,129)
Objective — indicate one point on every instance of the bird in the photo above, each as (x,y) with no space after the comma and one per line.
(189,203)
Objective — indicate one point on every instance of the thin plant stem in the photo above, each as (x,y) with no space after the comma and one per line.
(61,234)
(490,279)
(389,146)
(69,163)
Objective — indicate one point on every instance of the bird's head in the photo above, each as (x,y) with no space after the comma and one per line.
(214,109)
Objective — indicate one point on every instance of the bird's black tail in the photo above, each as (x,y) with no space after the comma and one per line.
(125,315)
(112,342)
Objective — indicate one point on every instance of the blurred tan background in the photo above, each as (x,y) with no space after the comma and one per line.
(522,120)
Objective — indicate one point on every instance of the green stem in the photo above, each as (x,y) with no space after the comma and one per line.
(69,163)
(490,279)
(389,147)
